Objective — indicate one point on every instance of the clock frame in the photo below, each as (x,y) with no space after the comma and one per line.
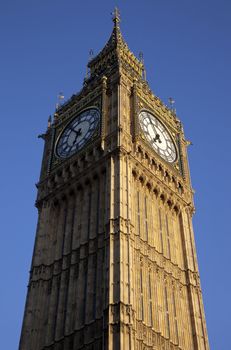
(158,136)
(77,132)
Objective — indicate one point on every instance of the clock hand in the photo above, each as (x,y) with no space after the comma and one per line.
(157,138)
(72,129)
(77,134)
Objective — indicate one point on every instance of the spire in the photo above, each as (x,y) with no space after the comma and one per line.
(115,52)
(116,35)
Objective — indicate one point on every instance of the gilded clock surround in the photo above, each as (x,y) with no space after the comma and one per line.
(70,122)
(92,101)
(114,264)
(166,130)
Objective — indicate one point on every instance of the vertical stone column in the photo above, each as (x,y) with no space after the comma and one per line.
(115,273)
(188,249)
(52,292)
(172,236)
(156,225)
(100,282)
(161,229)
(66,265)
(200,338)
(189,323)
(56,271)
(68,308)
(33,330)
(46,276)
(134,110)
(177,231)
(63,271)
(73,296)
(104,111)
(154,281)
(28,313)
(90,278)
(181,320)
(40,247)
(125,253)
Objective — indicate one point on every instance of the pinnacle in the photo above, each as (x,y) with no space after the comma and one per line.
(116,17)
(116,38)
(117,44)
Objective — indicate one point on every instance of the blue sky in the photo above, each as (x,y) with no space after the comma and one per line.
(187,51)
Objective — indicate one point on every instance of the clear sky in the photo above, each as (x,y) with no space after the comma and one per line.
(187,51)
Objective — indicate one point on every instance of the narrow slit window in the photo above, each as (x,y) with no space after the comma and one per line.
(89,215)
(167,312)
(141,296)
(146,218)
(168,237)
(94,286)
(161,234)
(150,300)
(85,276)
(138,212)
(175,316)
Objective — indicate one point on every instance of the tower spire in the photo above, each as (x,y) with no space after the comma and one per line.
(116,17)
(115,50)
(116,33)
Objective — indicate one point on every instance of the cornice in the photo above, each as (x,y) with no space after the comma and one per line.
(82,168)
(148,100)
(163,183)
(76,103)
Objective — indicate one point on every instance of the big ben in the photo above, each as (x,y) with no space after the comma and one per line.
(114,265)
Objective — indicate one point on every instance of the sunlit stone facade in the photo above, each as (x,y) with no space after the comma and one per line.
(114,264)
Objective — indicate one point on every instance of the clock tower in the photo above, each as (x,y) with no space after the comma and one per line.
(114,263)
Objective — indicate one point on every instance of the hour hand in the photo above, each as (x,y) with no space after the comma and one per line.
(157,138)
(72,129)
(77,134)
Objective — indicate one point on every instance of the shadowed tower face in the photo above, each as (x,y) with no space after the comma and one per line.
(114,263)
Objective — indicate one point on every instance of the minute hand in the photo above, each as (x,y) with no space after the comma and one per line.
(72,129)
(77,134)
(157,136)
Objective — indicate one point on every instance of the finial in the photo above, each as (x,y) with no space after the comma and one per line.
(171,102)
(91,54)
(88,71)
(141,58)
(60,99)
(116,17)
(49,122)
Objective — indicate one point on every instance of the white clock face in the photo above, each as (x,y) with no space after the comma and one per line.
(77,133)
(158,136)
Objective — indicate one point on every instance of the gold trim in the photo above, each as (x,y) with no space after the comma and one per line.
(66,125)
(168,131)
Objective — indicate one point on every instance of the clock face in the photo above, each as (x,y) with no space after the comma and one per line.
(158,136)
(77,133)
